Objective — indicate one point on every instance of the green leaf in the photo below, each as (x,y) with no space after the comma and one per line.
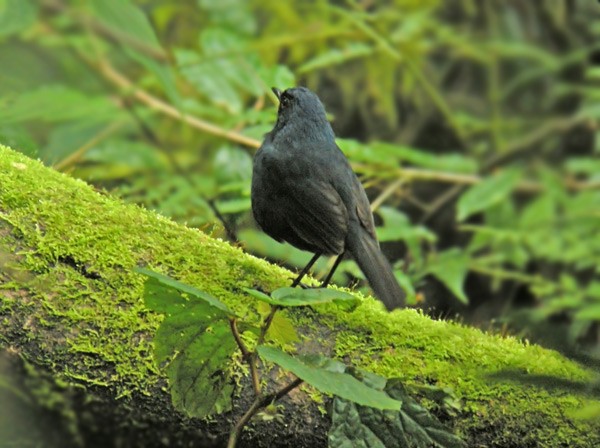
(201,352)
(303,297)
(232,164)
(163,73)
(453,162)
(405,282)
(258,295)
(397,227)
(16,15)
(451,267)
(539,212)
(237,205)
(126,19)
(232,14)
(194,341)
(57,103)
(489,192)
(157,283)
(336,56)
(583,165)
(209,79)
(343,385)
(413,427)
(282,330)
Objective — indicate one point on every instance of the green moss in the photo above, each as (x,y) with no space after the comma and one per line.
(72,251)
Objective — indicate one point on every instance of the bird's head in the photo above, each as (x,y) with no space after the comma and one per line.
(299,105)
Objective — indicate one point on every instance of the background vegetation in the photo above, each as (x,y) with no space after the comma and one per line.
(474,125)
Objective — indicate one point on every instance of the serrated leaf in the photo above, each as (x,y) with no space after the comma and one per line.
(327,381)
(156,284)
(489,192)
(451,268)
(195,343)
(197,373)
(413,427)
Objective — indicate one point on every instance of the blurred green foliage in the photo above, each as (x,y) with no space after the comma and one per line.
(473,125)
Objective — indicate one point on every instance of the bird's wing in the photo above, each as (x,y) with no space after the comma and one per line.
(363,208)
(316,213)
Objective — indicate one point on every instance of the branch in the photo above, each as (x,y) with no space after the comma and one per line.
(119,80)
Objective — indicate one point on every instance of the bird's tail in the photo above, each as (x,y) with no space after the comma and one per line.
(365,251)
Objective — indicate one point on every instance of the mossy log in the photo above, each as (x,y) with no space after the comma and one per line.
(72,309)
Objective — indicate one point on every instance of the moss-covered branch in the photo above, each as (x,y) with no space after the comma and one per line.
(71,305)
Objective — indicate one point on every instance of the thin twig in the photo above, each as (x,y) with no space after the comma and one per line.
(238,339)
(76,155)
(529,141)
(267,324)
(259,403)
(118,79)
(247,355)
(387,192)
(231,235)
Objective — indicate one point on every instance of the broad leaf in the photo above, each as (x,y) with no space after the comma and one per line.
(413,427)
(201,353)
(282,330)
(451,268)
(163,72)
(397,227)
(126,19)
(336,56)
(489,192)
(16,15)
(314,370)
(194,341)
(155,301)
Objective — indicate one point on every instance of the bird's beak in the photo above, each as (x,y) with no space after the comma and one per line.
(277,92)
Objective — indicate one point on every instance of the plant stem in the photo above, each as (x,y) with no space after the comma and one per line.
(247,355)
(267,324)
(259,403)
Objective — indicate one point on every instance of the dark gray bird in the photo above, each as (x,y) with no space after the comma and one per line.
(304,192)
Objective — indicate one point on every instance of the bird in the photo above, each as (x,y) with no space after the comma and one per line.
(304,192)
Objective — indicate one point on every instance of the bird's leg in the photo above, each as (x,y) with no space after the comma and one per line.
(303,272)
(332,270)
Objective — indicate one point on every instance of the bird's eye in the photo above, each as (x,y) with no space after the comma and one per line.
(285,100)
